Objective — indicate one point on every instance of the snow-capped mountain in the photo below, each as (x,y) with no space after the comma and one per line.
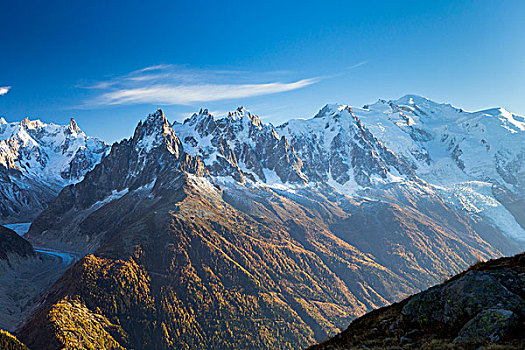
(475,160)
(446,144)
(336,147)
(240,145)
(37,160)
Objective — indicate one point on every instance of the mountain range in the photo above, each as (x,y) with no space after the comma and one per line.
(37,160)
(482,307)
(230,232)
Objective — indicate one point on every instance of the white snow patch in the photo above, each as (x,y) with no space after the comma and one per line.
(476,197)
(204,184)
(113,196)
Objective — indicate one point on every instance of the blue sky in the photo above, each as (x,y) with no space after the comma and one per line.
(110,63)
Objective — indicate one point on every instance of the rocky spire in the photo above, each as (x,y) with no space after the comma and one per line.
(156,121)
(241,112)
(73,127)
(203,117)
(155,131)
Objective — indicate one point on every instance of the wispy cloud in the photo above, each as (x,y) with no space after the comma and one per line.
(179,85)
(185,94)
(4,90)
(345,71)
(358,64)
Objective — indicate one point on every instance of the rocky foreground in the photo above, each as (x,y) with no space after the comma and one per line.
(481,307)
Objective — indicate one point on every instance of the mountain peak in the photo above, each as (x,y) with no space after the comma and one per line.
(155,122)
(422,102)
(73,127)
(512,122)
(331,110)
(44,157)
(3,121)
(242,112)
(153,131)
(26,121)
(204,112)
(31,124)
(496,111)
(203,115)
(157,117)
(411,99)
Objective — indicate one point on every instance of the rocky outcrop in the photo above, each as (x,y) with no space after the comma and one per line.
(489,325)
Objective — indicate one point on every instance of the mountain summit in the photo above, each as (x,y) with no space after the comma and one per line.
(240,145)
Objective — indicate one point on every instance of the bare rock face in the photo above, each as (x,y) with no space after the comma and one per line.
(489,325)
(473,296)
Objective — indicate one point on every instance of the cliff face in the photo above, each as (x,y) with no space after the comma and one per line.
(11,244)
(483,305)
